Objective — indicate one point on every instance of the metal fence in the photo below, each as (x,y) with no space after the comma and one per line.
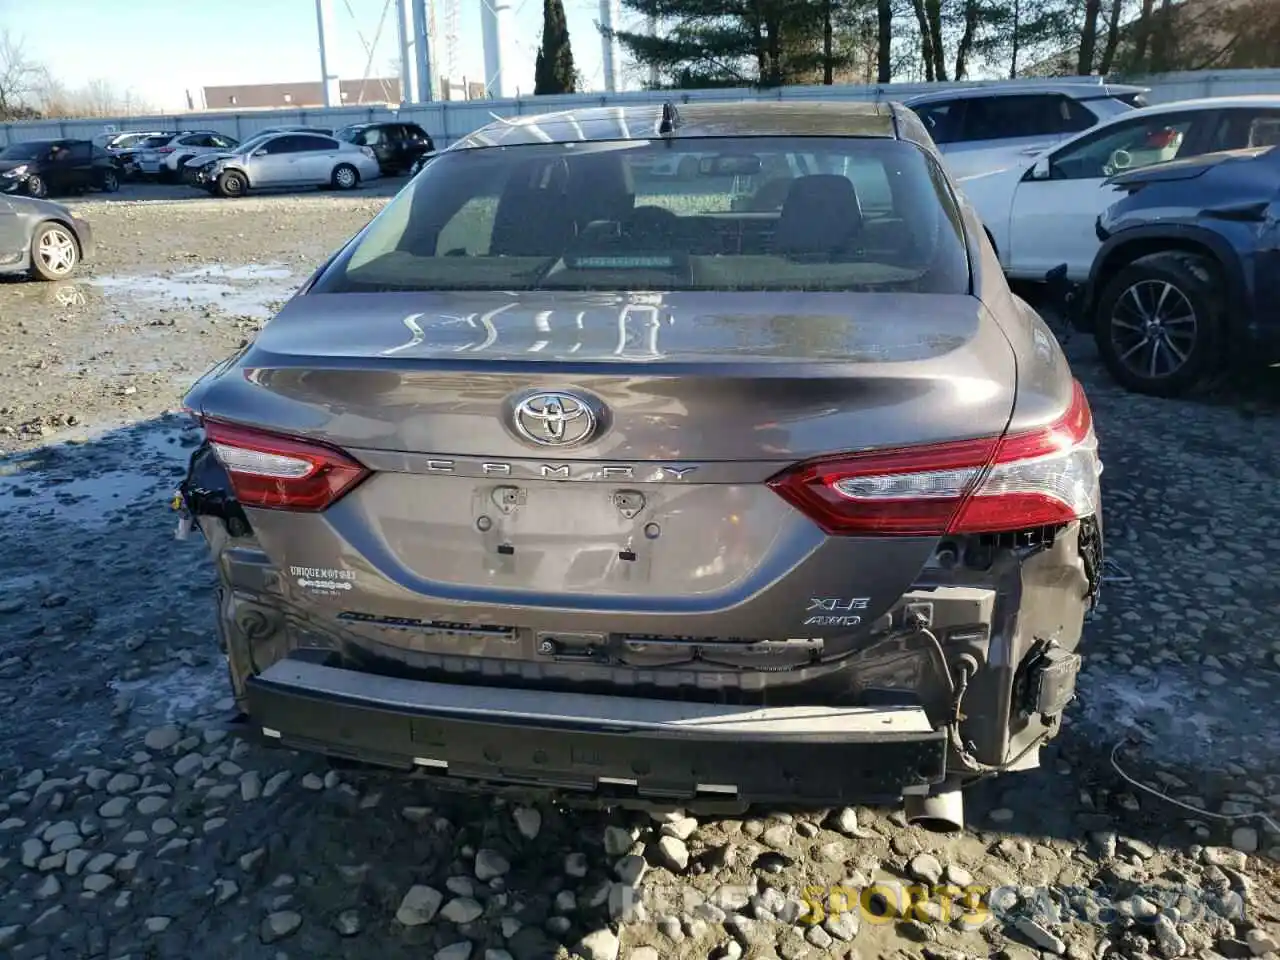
(446,121)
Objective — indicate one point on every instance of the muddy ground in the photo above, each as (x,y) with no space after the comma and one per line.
(130,827)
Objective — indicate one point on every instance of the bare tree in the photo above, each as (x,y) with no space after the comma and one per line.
(19,75)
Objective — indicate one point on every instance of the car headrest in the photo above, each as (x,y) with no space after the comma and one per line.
(821,215)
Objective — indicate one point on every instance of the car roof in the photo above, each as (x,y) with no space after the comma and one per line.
(748,118)
(1208,103)
(1082,89)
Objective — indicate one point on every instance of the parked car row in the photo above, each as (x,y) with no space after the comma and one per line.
(276,157)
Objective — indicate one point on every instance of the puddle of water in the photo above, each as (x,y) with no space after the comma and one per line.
(213,286)
(177,695)
(253,271)
(88,502)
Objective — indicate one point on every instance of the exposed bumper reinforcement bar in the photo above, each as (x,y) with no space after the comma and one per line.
(583,742)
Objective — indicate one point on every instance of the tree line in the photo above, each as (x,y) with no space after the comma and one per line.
(30,91)
(767,43)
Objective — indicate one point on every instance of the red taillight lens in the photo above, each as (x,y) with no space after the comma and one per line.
(988,485)
(274,472)
(166,150)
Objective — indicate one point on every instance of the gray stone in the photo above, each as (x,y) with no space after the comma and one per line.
(566,901)
(819,938)
(63,828)
(461,910)
(276,783)
(1261,943)
(13,823)
(250,785)
(631,868)
(644,953)
(846,822)
(528,821)
(163,827)
(162,738)
(174,845)
(455,951)
(490,864)
(52,862)
(114,808)
(150,806)
(673,854)
(575,864)
(312,782)
(419,905)
(778,836)
(599,945)
(1001,815)
(98,882)
(925,868)
(136,838)
(347,923)
(214,823)
(957,876)
(249,861)
(496,953)
(1038,935)
(122,783)
(461,886)
(682,828)
(76,859)
(1224,857)
(1169,943)
(843,925)
(617,841)
(1245,839)
(188,765)
(224,890)
(276,926)
(129,862)
(9,936)
(66,842)
(32,852)
(49,888)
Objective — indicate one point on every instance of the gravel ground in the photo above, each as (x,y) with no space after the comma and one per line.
(130,827)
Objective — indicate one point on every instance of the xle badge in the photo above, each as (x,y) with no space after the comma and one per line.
(834,611)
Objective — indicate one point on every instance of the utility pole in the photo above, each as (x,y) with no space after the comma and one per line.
(324,30)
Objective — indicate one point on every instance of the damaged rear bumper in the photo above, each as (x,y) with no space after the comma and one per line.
(658,749)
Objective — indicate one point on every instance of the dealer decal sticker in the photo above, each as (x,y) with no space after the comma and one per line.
(323,579)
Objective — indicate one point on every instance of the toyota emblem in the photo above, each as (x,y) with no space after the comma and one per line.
(554,419)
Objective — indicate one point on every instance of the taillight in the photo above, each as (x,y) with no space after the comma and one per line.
(1039,478)
(274,472)
(166,150)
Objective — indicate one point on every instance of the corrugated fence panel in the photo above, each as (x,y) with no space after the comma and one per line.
(447,121)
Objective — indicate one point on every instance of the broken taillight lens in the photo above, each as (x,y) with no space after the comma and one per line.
(1038,478)
(275,472)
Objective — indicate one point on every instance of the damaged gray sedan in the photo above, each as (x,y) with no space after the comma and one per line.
(753,484)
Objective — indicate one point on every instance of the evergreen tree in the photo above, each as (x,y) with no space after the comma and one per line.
(553,71)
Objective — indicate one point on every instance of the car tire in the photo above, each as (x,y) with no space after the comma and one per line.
(232,184)
(1159,324)
(110,182)
(36,187)
(345,177)
(55,252)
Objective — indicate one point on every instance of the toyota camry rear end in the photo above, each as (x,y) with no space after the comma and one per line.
(753,484)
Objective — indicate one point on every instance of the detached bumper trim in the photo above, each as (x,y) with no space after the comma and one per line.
(575,741)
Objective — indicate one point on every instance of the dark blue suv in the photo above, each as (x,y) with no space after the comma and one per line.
(1187,281)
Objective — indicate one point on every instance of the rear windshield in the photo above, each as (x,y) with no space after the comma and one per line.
(765,213)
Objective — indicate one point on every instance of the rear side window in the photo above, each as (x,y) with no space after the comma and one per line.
(317,143)
(1035,115)
(765,213)
(81,151)
(371,137)
(942,120)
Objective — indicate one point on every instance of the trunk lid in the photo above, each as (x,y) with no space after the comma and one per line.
(718,376)
(663,524)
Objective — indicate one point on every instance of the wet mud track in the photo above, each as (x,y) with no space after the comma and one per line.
(130,826)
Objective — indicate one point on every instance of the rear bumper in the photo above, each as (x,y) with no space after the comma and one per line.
(663,750)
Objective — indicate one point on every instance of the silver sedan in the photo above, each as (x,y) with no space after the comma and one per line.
(285,160)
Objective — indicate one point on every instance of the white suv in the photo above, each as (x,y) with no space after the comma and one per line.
(983,128)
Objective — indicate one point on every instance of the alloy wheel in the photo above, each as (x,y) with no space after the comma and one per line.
(1153,328)
(57,251)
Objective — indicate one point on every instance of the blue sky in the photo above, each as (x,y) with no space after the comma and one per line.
(158,49)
